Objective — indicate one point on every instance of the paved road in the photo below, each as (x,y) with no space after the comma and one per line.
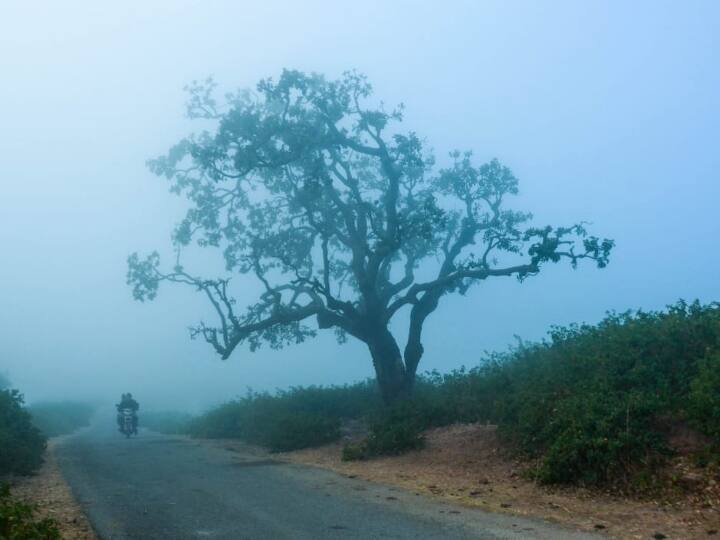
(159,487)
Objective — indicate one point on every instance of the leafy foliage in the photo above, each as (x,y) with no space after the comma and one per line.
(18,522)
(298,430)
(21,442)
(292,419)
(589,406)
(393,431)
(317,192)
(60,418)
(704,408)
(590,402)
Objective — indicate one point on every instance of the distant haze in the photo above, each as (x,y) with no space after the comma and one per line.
(607,112)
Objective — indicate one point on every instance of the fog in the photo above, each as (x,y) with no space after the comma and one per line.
(607,112)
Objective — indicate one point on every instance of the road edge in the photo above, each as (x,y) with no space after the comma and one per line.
(50,492)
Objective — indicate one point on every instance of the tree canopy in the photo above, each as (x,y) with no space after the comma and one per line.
(345,220)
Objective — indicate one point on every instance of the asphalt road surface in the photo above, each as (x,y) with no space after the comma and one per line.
(161,487)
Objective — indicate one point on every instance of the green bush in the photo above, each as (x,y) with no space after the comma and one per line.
(18,522)
(60,418)
(290,419)
(599,438)
(589,402)
(21,442)
(257,420)
(293,431)
(590,405)
(394,431)
(704,406)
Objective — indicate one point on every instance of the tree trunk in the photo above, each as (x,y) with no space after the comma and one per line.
(413,353)
(389,367)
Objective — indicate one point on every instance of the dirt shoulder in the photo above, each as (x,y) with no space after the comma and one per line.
(48,491)
(466,464)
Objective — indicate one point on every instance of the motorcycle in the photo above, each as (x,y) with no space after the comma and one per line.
(127,422)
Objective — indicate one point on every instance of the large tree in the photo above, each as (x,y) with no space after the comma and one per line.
(344,220)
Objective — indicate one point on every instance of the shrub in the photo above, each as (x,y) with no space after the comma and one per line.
(393,431)
(21,442)
(290,419)
(60,418)
(587,405)
(704,403)
(293,431)
(598,438)
(17,521)
(394,436)
(588,402)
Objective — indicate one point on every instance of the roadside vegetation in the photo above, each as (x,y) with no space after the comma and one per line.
(22,446)
(290,419)
(23,440)
(22,443)
(593,405)
(60,418)
(18,520)
(24,430)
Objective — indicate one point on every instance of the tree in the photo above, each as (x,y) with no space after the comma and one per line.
(342,218)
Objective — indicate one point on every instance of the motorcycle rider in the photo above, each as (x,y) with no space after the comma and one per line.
(127,402)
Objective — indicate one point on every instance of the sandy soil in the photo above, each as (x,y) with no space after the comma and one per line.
(48,490)
(466,464)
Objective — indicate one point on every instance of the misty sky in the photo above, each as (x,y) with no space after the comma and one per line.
(606,111)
